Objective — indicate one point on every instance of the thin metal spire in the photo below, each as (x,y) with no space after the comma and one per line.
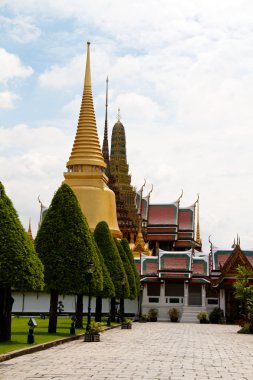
(118,115)
(105,148)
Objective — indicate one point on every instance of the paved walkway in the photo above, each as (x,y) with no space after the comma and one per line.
(149,351)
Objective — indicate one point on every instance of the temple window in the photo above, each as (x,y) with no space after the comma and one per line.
(153,289)
(174,289)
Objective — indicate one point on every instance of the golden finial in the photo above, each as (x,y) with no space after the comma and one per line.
(29,232)
(198,240)
(87,80)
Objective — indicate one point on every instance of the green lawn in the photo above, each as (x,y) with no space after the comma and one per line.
(20,329)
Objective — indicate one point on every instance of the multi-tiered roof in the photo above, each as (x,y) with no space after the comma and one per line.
(171,265)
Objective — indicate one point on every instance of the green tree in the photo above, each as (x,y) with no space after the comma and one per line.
(108,287)
(20,267)
(244,294)
(112,260)
(130,287)
(129,254)
(65,246)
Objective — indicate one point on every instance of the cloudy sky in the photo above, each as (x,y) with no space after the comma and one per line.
(181,72)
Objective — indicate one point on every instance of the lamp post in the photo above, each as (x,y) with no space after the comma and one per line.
(89,273)
(122,301)
(140,299)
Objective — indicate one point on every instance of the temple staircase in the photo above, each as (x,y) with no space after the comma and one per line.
(189,314)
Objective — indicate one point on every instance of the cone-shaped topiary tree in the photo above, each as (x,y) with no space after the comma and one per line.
(65,246)
(20,266)
(129,254)
(112,260)
(108,287)
(129,272)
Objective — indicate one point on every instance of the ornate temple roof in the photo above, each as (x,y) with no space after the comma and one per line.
(149,265)
(159,214)
(225,264)
(200,266)
(162,221)
(174,261)
(175,224)
(173,265)
(186,219)
(145,207)
(221,257)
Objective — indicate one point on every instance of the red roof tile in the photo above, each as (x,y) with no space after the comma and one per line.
(185,219)
(174,263)
(163,214)
(150,268)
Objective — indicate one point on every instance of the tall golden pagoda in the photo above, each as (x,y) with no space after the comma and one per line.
(86,165)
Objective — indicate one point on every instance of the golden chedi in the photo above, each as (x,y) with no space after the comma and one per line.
(86,166)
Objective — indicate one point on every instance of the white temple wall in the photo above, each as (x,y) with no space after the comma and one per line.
(30,302)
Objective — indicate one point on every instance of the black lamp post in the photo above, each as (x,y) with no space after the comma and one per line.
(89,273)
(122,301)
(140,300)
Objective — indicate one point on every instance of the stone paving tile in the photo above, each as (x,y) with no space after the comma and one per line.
(162,351)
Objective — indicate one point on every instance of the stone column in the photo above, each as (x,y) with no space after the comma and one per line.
(222,302)
(186,287)
(203,293)
(162,293)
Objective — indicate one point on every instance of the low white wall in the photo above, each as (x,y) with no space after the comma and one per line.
(30,302)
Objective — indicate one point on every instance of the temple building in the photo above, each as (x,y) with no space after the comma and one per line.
(223,272)
(86,166)
(192,281)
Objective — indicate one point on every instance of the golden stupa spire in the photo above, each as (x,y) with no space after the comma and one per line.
(86,166)
(86,149)
(198,240)
(140,246)
(29,232)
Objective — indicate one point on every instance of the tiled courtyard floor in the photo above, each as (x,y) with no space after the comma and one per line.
(149,351)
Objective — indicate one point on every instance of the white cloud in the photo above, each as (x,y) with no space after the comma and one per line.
(32,163)
(12,67)
(20,28)
(58,77)
(7,99)
(73,107)
(138,108)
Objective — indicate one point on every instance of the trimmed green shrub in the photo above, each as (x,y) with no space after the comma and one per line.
(65,246)
(20,266)
(130,257)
